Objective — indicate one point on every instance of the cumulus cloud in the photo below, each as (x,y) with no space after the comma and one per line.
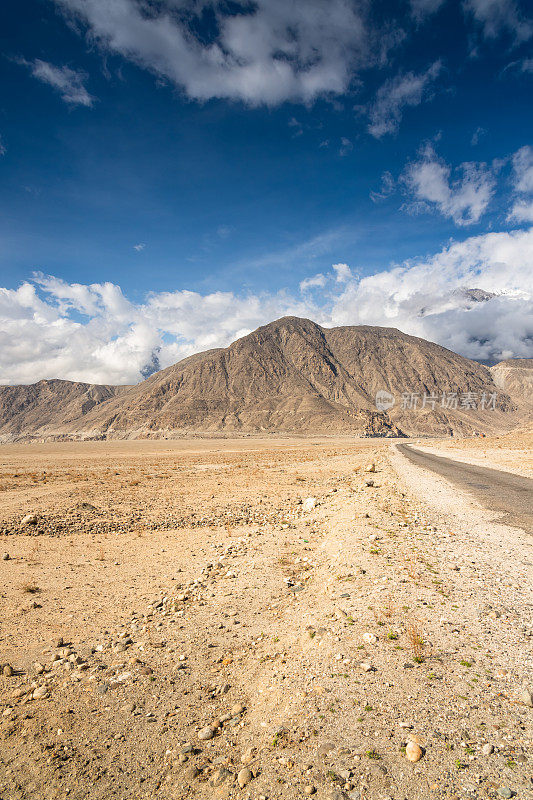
(497,16)
(261,53)
(464,199)
(92,332)
(396,94)
(68,82)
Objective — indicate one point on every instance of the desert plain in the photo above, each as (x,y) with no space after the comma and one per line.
(261,618)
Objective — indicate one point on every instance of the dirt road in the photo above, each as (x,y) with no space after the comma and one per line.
(509,496)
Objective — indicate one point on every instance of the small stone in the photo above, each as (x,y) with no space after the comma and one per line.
(504,791)
(487,749)
(206,733)
(370,638)
(238,708)
(182,758)
(309,790)
(413,752)
(526,697)
(369,483)
(41,693)
(146,671)
(29,519)
(6,557)
(7,670)
(365,666)
(191,773)
(308,504)
(244,777)
(38,667)
(219,776)
(371,467)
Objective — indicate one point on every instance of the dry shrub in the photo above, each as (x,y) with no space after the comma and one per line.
(415,637)
(29,587)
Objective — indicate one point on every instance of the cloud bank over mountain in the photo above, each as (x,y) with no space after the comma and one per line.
(52,328)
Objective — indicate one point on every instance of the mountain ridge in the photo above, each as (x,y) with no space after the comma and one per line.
(286,376)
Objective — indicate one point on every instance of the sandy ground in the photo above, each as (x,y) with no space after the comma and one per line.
(313,647)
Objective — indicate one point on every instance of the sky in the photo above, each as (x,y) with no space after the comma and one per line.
(175,173)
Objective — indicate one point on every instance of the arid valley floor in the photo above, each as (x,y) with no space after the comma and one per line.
(180,619)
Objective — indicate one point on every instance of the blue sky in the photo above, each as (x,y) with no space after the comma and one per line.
(218,156)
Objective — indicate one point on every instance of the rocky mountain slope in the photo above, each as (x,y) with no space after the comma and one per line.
(288,376)
(515,378)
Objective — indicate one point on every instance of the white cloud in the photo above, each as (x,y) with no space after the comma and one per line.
(463,199)
(342,272)
(68,82)
(50,328)
(497,16)
(523,170)
(139,247)
(423,8)
(269,52)
(314,282)
(346,146)
(388,187)
(522,210)
(396,94)
(3,148)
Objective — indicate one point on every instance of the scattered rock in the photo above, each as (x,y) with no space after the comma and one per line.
(41,693)
(238,708)
(487,749)
(308,504)
(504,791)
(244,777)
(526,697)
(206,733)
(6,557)
(309,790)
(413,752)
(191,773)
(8,670)
(29,519)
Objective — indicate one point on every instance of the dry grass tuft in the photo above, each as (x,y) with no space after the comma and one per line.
(415,637)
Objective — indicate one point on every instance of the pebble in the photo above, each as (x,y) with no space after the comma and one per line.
(413,752)
(244,777)
(527,698)
(38,667)
(6,557)
(504,791)
(370,638)
(487,749)
(219,776)
(309,503)
(40,693)
(7,670)
(206,733)
(29,519)
(191,773)
(309,790)
(238,708)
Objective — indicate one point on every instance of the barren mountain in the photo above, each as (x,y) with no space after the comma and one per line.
(290,375)
(515,378)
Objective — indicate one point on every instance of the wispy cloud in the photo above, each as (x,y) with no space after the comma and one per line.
(139,247)
(68,82)
(3,148)
(495,17)
(398,93)
(522,161)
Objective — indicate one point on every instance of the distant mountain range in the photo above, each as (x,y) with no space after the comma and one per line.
(290,376)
